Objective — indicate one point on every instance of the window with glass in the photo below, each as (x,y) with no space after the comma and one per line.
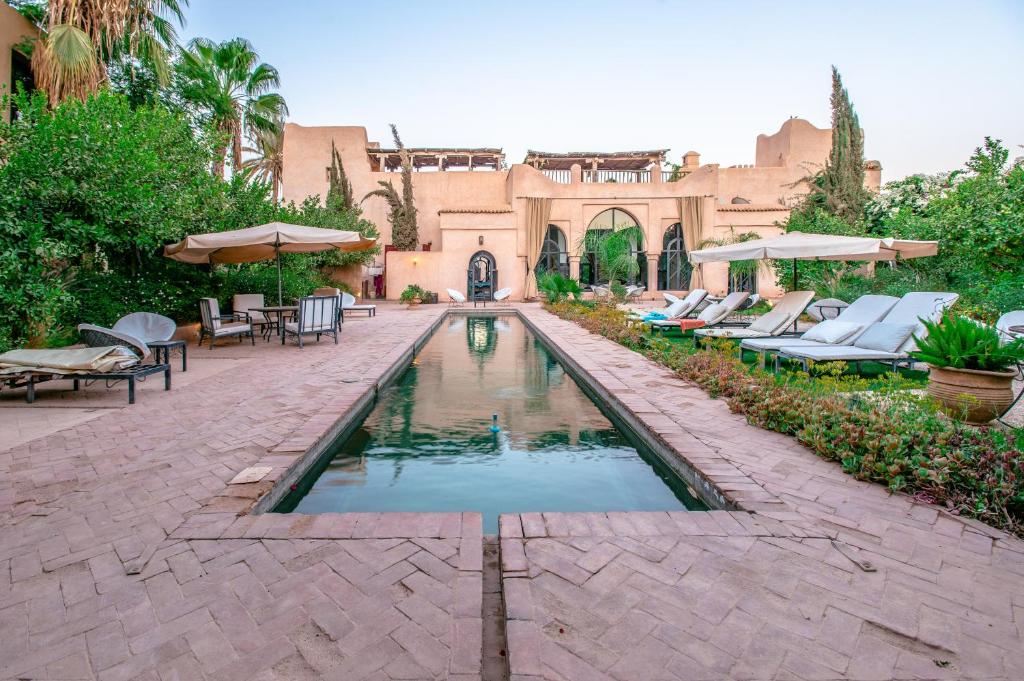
(673,267)
(742,278)
(607,221)
(554,253)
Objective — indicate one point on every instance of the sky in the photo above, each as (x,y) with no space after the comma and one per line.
(929,80)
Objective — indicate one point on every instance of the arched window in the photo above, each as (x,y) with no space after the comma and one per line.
(604,222)
(554,253)
(673,267)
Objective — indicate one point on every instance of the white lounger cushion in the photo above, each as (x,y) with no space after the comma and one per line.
(908,311)
(772,323)
(864,311)
(832,331)
(885,336)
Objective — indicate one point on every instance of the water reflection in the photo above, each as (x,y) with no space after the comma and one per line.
(426,445)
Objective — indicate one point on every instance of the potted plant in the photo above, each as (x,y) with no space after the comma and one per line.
(971,370)
(413,295)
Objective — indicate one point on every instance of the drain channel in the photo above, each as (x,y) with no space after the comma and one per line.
(495,651)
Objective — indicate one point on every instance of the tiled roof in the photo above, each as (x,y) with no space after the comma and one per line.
(478,209)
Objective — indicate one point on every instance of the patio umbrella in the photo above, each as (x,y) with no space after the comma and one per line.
(800,246)
(254,244)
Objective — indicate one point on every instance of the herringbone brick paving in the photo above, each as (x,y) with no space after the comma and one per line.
(112,570)
(723,596)
(125,556)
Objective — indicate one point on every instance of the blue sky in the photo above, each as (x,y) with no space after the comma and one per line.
(928,79)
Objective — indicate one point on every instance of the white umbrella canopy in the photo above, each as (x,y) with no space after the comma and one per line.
(264,242)
(801,246)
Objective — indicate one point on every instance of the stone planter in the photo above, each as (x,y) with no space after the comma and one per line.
(414,303)
(187,332)
(976,396)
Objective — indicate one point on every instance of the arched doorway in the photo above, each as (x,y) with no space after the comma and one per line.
(612,220)
(554,253)
(481,277)
(673,267)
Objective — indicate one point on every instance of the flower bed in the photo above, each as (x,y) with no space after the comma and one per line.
(891,436)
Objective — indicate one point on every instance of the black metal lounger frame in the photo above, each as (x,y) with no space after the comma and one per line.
(138,372)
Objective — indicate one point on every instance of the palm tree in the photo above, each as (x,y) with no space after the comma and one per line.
(266,164)
(228,81)
(81,36)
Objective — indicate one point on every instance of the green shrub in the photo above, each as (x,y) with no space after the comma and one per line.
(890,435)
(962,343)
(557,288)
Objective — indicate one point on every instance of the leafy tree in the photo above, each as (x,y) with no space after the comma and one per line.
(80,37)
(91,188)
(842,181)
(404,230)
(234,92)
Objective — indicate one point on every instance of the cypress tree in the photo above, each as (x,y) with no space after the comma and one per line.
(843,177)
(339,193)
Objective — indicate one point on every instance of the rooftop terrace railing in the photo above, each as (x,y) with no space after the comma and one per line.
(559,176)
(625,176)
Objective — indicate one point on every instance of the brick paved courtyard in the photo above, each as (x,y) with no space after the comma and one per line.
(127,555)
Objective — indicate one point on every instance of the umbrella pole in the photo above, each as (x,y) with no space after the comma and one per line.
(278,250)
(794,274)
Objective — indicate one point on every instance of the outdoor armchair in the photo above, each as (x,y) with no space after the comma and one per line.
(215,325)
(317,315)
(245,303)
(456,299)
(146,326)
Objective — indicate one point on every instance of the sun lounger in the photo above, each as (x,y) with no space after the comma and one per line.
(888,341)
(710,316)
(772,323)
(682,307)
(349,304)
(27,368)
(843,330)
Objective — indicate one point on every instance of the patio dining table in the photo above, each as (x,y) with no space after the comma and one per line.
(275,315)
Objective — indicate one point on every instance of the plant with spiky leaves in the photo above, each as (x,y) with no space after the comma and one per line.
(404,231)
(234,90)
(80,37)
(266,160)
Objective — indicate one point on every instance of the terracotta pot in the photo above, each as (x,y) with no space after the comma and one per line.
(414,303)
(975,396)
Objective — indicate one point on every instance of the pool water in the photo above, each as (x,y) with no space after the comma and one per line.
(427,443)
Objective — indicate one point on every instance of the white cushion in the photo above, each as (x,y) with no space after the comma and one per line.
(831,331)
(231,328)
(771,321)
(885,336)
(712,312)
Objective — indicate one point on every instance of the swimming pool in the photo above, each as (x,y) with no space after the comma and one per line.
(427,444)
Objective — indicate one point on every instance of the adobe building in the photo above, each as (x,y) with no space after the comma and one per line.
(478,216)
(15,66)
